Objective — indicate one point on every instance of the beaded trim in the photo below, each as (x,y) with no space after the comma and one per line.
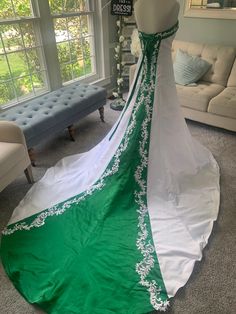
(145,247)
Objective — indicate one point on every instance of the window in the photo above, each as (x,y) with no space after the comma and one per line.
(45,44)
(73,25)
(22,68)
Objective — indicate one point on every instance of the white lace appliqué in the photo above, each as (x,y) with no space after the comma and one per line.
(146,248)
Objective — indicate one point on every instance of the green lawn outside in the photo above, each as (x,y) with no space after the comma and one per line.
(19,65)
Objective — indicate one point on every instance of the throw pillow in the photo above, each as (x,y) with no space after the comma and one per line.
(189,69)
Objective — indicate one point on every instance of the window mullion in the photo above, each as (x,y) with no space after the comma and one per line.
(49,44)
(69,45)
(18,20)
(72,14)
(81,41)
(92,45)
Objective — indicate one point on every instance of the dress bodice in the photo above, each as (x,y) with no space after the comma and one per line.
(150,43)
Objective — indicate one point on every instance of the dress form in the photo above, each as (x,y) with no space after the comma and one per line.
(154,16)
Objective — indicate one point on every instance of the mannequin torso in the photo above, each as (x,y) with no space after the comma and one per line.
(154,16)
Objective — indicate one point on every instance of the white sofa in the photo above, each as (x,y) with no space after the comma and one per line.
(213,100)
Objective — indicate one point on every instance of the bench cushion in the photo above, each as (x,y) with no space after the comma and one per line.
(56,110)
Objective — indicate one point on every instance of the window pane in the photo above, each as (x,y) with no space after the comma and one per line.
(78,69)
(76,50)
(70,5)
(28,33)
(89,60)
(56,6)
(11,36)
(33,59)
(66,72)
(76,6)
(88,66)
(6,92)
(73,24)
(60,27)
(6,9)
(4,70)
(38,81)
(63,52)
(83,5)
(84,25)
(59,6)
(18,64)
(86,47)
(25,82)
(23,86)
(15,8)
(22,7)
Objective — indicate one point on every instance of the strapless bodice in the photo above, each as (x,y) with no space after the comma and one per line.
(151,42)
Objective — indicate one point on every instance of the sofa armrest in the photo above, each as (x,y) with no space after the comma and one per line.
(11,133)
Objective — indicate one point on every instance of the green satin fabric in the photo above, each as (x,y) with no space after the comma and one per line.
(84,261)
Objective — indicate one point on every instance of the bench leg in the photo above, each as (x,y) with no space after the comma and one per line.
(29,174)
(71,130)
(31,153)
(101,112)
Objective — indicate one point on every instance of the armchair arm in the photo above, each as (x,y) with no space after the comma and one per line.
(11,133)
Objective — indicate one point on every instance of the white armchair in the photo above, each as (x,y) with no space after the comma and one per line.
(14,158)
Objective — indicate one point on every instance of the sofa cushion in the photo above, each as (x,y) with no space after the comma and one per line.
(198,97)
(11,154)
(232,77)
(189,69)
(225,103)
(220,57)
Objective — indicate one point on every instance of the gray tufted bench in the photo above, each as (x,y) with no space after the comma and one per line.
(55,111)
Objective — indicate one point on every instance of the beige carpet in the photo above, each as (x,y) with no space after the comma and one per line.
(212,286)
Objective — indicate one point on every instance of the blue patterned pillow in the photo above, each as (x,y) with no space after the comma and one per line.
(189,69)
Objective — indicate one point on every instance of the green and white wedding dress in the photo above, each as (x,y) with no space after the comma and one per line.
(119,228)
